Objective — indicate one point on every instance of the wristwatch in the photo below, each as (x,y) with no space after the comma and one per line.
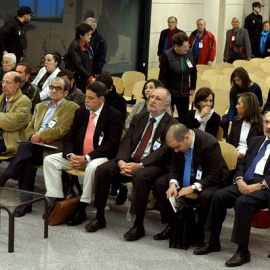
(141,165)
(193,187)
(263,186)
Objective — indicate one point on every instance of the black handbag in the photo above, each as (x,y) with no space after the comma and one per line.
(183,228)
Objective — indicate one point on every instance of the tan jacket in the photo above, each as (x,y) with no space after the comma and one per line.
(64,115)
(14,121)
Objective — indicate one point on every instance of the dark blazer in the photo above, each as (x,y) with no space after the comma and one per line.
(109,126)
(241,39)
(207,155)
(255,144)
(255,130)
(134,134)
(211,125)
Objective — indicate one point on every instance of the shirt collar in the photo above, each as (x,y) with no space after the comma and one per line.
(97,112)
(56,104)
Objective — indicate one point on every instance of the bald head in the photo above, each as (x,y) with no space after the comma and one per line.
(11,84)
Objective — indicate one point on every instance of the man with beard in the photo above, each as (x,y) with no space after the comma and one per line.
(12,34)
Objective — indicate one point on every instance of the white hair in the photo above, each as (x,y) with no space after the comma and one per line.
(12,56)
(92,21)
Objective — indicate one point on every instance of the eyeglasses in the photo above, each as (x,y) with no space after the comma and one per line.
(6,82)
(57,88)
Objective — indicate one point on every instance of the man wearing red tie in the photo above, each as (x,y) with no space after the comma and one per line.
(93,139)
(249,194)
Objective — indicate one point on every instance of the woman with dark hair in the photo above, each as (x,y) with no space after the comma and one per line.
(141,106)
(204,117)
(240,83)
(178,73)
(247,124)
(80,55)
(47,73)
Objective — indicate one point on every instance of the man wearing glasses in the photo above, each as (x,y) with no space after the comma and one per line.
(50,123)
(14,113)
(166,36)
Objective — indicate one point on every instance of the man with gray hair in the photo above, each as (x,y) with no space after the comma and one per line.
(99,47)
(141,158)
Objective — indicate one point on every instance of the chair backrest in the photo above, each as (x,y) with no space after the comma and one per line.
(256,61)
(264,87)
(221,100)
(223,65)
(253,76)
(153,73)
(202,83)
(230,154)
(241,63)
(267,80)
(202,68)
(228,71)
(220,134)
(255,70)
(266,66)
(137,90)
(220,81)
(119,84)
(207,74)
(130,78)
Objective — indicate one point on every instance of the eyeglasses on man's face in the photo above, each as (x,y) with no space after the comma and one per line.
(57,88)
(6,82)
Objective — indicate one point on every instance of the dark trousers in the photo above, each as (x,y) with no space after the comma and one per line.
(21,167)
(165,208)
(244,205)
(182,104)
(109,173)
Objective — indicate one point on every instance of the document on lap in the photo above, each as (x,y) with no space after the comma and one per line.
(39,143)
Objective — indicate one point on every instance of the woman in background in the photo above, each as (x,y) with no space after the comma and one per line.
(204,117)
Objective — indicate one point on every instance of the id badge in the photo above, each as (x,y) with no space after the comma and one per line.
(156,145)
(199,175)
(189,64)
(200,45)
(52,123)
(19,32)
(233,38)
(100,138)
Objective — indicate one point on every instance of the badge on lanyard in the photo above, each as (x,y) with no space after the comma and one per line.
(52,122)
(233,38)
(100,138)
(199,173)
(201,45)
(157,144)
(189,63)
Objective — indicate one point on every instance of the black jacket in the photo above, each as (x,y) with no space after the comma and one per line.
(11,38)
(79,63)
(174,78)
(99,47)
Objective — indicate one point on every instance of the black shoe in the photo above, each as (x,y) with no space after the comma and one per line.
(22,210)
(238,259)
(207,248)
(134,234)
(164,234)
(122,196)
(95,225)
(76,219)
(3,180)
(113,191)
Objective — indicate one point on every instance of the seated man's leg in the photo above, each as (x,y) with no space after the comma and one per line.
(142,180)
(106,174)
(221,200)
(52,169)
(79,214)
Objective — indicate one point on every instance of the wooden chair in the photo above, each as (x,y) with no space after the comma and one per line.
(228,71)
(267,80)
(130,78)
(137,90)
(153,73)
(241,63)
(219,135)
(207,74)
(119,84)
(253,76)
(202,83)
(220,81)
(264,87)
(223,65)
(256,61)
(255,70)
(230,155)
(202,68)
(266,59)
(266,66)
(221,100)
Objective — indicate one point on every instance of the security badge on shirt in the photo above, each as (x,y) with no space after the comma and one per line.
(157,144)
(52,122)
(189,63)
(100,138)
(200,44)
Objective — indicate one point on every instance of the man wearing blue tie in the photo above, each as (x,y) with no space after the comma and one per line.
(249,194)
(197,166)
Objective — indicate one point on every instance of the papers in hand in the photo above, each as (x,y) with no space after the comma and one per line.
(175,203)
(39,143)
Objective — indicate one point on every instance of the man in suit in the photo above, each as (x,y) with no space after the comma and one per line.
(92,140)
(15,113)
(197,166)
(140,159)
(237,44)
(249,194)
(50,123)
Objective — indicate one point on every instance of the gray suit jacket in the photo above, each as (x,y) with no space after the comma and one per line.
(241,39)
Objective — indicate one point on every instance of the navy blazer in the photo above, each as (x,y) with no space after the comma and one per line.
(206,156)
(134,134)
(109,126)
